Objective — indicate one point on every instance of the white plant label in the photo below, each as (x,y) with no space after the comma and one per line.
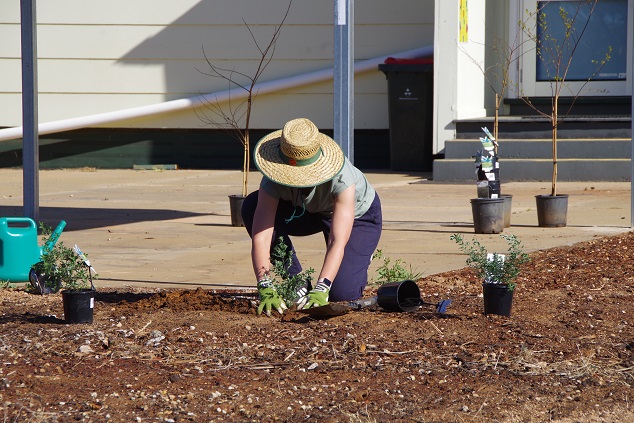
(490,257)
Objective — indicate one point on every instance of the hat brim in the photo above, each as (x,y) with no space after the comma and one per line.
(268,160)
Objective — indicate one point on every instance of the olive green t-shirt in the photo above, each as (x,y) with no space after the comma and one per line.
(321,199)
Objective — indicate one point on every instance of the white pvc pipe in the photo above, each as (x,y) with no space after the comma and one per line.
(186,103)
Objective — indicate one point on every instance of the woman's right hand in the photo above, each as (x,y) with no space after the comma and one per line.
(269,298)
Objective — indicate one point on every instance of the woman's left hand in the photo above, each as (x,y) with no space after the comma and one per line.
(317,297)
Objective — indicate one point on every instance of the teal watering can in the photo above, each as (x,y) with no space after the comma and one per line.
(19,249)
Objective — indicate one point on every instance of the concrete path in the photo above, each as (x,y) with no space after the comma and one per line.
(172,228)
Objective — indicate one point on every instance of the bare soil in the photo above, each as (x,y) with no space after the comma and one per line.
(566,353)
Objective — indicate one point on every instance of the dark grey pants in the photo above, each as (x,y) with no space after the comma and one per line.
(366,232)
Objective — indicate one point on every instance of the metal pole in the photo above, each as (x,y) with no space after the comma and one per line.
(631,75)
(30,141)
(344,76)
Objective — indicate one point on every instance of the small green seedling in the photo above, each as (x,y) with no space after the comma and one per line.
(285,284)
(6,284)
(390,271)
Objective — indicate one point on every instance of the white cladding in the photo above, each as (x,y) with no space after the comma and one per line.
(97,57)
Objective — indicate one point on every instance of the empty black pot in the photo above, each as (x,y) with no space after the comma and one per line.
(508,209)
(488,215)
(552,211)
(235,207)
(399,296)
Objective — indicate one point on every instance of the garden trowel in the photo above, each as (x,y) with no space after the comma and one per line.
(338,309)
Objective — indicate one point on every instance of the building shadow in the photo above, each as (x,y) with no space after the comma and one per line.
(90,218)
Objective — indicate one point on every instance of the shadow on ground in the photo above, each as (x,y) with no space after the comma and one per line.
(89,218)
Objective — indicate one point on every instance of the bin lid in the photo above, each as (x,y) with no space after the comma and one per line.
(419,61)
(394,64)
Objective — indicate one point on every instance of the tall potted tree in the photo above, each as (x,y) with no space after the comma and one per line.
(556,42)
(235,117)
(500,56)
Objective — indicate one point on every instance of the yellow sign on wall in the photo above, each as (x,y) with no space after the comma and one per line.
(464,21)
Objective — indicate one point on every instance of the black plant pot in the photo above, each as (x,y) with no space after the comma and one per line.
(495,188)
(42,284)
(552,211)
(399,296)
(235,205)
(498,299)
(79,305)
(488,215)
(508,209)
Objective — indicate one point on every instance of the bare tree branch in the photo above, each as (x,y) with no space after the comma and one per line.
(552,52)
(235,118)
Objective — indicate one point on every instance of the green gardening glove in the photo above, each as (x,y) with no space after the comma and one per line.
(269,298)
(319,295)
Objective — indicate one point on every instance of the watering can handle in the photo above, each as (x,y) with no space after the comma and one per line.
(29,221)
(52,240)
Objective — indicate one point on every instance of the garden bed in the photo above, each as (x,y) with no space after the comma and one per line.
(565,354)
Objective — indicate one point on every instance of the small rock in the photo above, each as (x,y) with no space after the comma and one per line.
(85,349)
(156,336)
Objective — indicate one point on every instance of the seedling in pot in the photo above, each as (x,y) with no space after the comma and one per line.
(493,267)
(60,267)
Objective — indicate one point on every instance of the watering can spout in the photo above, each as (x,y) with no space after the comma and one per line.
(52,240)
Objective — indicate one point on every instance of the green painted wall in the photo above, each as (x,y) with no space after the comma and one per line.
(189,149)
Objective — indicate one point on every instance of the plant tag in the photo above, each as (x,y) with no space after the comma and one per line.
(487,144)
(92,303)
(492,256)
(497,258)
(487,163)
(488,134)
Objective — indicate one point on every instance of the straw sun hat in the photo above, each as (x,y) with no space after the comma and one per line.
(298,155)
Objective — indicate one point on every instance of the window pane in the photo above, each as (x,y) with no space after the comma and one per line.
(606,27)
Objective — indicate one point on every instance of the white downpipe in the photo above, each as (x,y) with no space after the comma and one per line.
(186,103)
